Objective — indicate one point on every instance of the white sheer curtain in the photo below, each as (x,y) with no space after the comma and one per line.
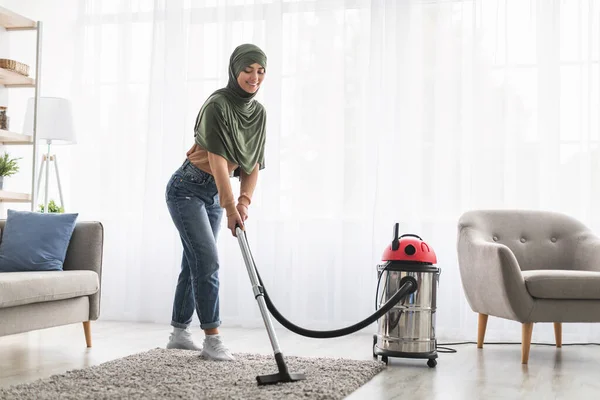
(378,112)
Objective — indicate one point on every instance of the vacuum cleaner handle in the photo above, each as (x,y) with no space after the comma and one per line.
(411,234)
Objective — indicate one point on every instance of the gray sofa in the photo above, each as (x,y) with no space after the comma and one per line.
(531,267)
(37,300)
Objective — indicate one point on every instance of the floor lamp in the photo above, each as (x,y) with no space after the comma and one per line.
(55,126)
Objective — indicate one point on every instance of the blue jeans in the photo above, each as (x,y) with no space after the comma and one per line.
(193,202)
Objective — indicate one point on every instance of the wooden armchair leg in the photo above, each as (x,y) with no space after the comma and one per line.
(527,330)
(558,333)
(481,325)
(88,333)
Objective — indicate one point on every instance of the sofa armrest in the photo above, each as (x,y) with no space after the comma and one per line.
(85,253)
(491,278)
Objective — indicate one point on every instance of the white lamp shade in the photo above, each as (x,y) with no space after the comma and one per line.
(54,120)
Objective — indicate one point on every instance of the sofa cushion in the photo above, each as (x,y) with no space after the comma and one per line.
(34,241)
(18,288)
(563,284)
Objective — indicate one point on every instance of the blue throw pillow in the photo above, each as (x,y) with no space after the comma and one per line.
(33,241)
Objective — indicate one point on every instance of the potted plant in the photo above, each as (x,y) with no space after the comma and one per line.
(52,207)
(8,167)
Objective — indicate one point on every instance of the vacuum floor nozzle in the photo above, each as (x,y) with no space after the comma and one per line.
(282,376)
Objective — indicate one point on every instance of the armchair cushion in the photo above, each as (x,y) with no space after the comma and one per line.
(34,241)
(563,284)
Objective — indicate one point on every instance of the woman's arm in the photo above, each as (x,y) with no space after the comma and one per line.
(248,185)
(218,166)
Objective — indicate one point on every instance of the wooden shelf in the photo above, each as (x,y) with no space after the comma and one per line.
(7,137)
(10,78)
(14,197)
(14,21)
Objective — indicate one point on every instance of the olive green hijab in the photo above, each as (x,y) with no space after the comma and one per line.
(231,123)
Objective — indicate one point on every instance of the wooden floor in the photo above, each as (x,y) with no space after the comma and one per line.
(494,372)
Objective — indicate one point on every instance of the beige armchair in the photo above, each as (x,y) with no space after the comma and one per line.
(529,266)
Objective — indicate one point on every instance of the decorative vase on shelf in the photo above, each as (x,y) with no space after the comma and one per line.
(3,118)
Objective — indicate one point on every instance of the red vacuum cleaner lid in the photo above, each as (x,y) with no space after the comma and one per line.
(409,247)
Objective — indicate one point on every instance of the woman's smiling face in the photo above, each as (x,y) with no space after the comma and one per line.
(251,77)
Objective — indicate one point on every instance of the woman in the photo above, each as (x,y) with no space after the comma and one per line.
(229,137)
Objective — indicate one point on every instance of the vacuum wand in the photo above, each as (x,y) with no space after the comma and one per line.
(283,375)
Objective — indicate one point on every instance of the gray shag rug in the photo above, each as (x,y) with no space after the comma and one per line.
(183,374)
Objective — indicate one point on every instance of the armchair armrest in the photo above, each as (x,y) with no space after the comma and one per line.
(587,253)
(491,278)
(85,253)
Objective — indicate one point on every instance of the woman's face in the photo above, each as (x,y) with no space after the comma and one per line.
(251,77)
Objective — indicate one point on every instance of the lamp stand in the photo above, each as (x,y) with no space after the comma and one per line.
(46,159)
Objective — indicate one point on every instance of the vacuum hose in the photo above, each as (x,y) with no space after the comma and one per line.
(408,285)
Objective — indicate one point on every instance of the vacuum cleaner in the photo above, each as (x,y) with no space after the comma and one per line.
(405,306)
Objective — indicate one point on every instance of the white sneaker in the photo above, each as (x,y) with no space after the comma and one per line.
(215,349)
(182,339)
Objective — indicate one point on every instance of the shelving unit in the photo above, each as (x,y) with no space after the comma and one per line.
(12,21)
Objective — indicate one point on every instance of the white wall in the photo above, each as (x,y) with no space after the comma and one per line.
(58,44)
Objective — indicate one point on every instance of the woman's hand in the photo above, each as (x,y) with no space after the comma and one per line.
(243,210)
(233,220)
